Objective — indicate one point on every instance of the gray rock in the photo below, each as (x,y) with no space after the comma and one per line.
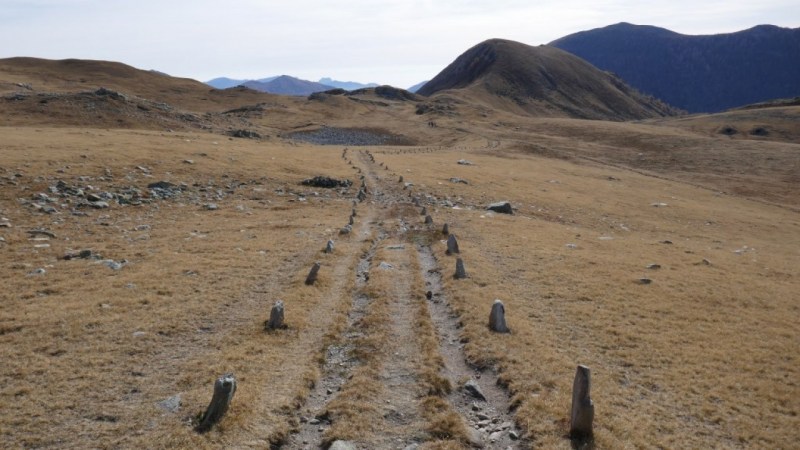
(99,205)
(445,229)
(276,317)
(385,266)
(496,436)
(329,246)
(475,438)
(424,211)
(482,416)
(211,206)
(452,245)
(428,220)
(342,445)
(644,281)
(582,412)
(312,274)
(497,318)
(461,273)
(654,266)
(458,180)
(39,271)
(513,435)
(464,162)
(501,207)
(346,229)
(171,404)
(473,389)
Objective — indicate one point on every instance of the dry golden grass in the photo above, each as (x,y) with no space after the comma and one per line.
(705,356)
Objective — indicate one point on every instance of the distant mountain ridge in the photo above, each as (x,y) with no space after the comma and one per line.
(346,85)
(541,81)
(286,85)
(417,87)
(708,73)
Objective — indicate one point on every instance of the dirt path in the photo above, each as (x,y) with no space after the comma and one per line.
(371,391)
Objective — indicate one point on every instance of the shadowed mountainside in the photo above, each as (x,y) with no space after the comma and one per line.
(542,81)
(696,73)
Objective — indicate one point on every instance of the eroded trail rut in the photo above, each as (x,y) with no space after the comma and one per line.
(371,393)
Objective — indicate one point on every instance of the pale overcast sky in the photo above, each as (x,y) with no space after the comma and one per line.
(398,42)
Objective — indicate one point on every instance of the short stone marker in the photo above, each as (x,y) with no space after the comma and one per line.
(501,207)
(353,214)
(428,220)
(329,246)
(350,221)
(582,414)
(312,275)
(276,317)
(461,273)
(445,229)
(224,388)
(346,229)
(424,211)
(497,318)
(452,245)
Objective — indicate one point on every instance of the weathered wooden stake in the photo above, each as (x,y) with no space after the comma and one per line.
(445,230)
(452,245)
(312,275)
(497,318)
(224,388)
(461,273)
(582,413)
(276,316)
(428,220)
(329,246)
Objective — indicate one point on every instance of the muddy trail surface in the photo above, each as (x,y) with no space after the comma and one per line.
(371,392)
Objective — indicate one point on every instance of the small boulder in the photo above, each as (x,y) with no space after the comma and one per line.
(501,207)
(473,389)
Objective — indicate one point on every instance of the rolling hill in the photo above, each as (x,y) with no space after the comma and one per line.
(542,81)
(696,73)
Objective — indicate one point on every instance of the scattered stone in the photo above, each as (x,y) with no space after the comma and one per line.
(428,220)
(171,404)
(163,185)
(99,205)
(83,254)
(582,413)
(654,266)
(312,275)
(40,232)
(452,245)
(329,246)
(513,435)
(658,204)
(114,265)
(94,198)
(475,438)
(458,180)
(496,436)
(326,182)
(342,445)
(346,229)
(39,271)
(224,388)
(396,247)
(497,318)
(668,242)
(644,281)
(314,421)
(461,273)
(188,161)
(482,416)
(276,317)
(247,134)
(501,207)
(445,229)
(705,262)
(211,206)
(429,295)
(385,266)
(572,246)
(473,389)
(464,162)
